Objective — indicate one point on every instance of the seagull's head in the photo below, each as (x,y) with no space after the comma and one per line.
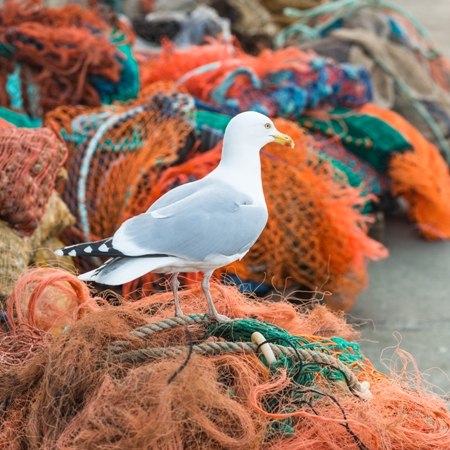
(255,129)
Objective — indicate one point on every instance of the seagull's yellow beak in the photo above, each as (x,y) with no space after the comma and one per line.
(283,139)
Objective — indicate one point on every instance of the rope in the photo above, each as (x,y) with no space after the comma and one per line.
(92,147)
(217,348)
(169,323)
(136,356)
(163,325)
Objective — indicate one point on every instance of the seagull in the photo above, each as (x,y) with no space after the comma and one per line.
(198,226)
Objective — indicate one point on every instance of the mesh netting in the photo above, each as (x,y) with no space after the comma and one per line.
(116,154)
(315,235)
(70,55)
(132,376)
(359,173)
(29,163)
(372,140)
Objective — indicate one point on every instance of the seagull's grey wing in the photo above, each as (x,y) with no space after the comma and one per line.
(178,193)
(216,220)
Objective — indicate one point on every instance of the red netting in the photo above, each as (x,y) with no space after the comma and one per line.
(60,51)
(16,12)
(29,163)
(49,300)
(172,63)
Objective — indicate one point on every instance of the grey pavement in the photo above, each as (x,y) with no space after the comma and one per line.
(407,303)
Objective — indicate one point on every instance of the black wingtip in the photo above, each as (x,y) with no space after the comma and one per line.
(97,248)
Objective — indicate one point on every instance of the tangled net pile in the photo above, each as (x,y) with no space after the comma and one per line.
(70,55)
(30,161)
(32,214)
(280,83)
(119,371)
(132,376)
(409,75)
(421,176)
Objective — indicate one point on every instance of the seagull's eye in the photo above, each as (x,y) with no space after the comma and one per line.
(268,126)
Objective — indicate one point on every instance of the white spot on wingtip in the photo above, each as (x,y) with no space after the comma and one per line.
(59,252)
(88,249)
(72,253)
(103,248)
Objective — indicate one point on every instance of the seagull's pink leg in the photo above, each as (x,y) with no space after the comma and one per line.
(212,311)
(175,284)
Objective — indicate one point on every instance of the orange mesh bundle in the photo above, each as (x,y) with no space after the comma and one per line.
(81,390)
(116,154)
(16,12)
(315,236)
(5,124)
(172,63)
(48,300)
(60,52)
(30,160)
(421,176)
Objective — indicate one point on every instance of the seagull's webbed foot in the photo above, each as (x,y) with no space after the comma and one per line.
(212,311)
(218,317)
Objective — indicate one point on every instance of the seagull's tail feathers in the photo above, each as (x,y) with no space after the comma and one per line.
(96,248)
(117,271)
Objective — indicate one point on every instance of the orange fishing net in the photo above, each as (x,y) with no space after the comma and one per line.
(421,176)
(49,300)
(116,154)
(16,12)
(173,63)
(30,161)
(5,124)
(81,390)
(60,52)
(315,236)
